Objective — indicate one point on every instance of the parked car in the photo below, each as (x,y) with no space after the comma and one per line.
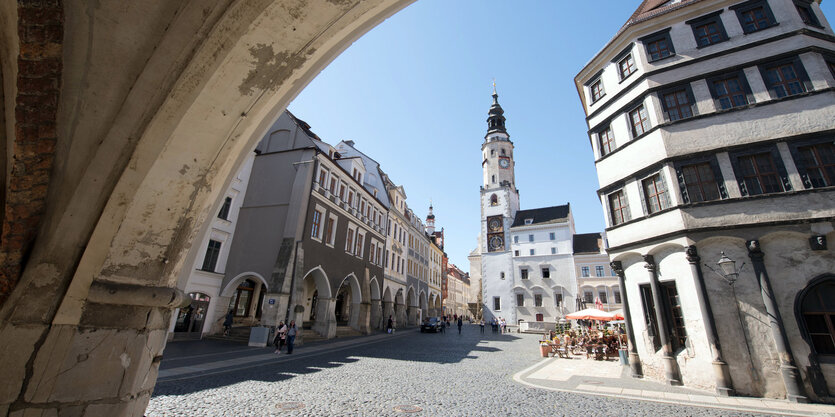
(431,325)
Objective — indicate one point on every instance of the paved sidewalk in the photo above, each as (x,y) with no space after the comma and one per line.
(199,358)
(611,379)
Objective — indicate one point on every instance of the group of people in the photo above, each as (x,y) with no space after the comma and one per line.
(285,335)
(498,324)
(598,345)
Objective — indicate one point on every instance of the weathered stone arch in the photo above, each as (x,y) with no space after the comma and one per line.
(319,277)
(233,283)
(376,305)
(126,174)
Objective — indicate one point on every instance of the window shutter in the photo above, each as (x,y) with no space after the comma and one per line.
(627,214)
(717,176)
(743,190)
(667,202)
(682,185)
(643,193)
(781,168)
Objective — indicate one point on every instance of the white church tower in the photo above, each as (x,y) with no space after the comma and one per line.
(499,204)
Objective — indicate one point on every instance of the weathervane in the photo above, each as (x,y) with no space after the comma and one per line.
(494,85)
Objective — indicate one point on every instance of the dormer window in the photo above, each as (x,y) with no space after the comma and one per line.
(528,221)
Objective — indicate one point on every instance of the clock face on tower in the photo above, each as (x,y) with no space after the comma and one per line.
(504,162)
(496,243)
(495,225)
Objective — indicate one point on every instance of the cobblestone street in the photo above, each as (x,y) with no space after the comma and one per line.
(442,374)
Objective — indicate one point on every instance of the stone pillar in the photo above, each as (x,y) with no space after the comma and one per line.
(325,323)
(271,314)
(376,315)
(253,304)
(413,316)
(724,386)
(400,316)
(671,370)
(634,359)
(791,376)
(361,316)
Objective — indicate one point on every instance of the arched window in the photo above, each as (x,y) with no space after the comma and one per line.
(494,199)
(494,179)
(818,310)
(503,153)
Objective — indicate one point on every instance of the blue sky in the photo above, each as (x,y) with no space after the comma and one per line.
(413,93)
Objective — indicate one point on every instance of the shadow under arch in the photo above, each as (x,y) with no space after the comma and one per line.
(233,283)
(809,301)
(316,308)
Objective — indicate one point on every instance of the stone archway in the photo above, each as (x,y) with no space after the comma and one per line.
(412,314)
(388,307)
(349,306)
(126,174)
(317,302)
(424,305)
(400,309)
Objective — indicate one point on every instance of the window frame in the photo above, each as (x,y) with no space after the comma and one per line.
(743,84)
(609,145)
(706,20)
(210,264)
(316,228)
(523,273)
(803,168)
(800,6)
(546,272)
(662,196)
(225,208)
(655,38)
(799,70)
(684,191)
(780,169)
(599,271)
(675,90)
(585,272)
(497,303)
(644,122)
(630,68)
(537,300)
(748,6)
(330,229)
(623,208)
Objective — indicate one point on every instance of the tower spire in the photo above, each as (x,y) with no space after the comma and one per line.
(495,117)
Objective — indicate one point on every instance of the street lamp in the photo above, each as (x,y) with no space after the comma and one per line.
(728,267)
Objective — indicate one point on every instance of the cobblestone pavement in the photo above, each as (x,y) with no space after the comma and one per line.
(442,374)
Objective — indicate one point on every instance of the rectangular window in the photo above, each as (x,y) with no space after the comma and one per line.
(708,30)
(350,198)
(619,207)
(730,91)
(677,329)
(537,301)
(497,304)
(784,78)
(626,66)
(616,293)
(584,271)
(599,271)
(349,240)
(323,177)
(759,174)
(678,104)
(816,164)
(333,185)
(655,194)
(224,209)
(530,238)
(588,296)
(316,227)
(639,121)
(342,192)
(546,272)
(699,182)
(553,251)
(606,138)
(372,251)
(601,294)
(658,45)
(597,91)
(804,9)
(330,230)
(754,15)
(379,251)
(650,319)
(516,253)
(533,252)
(558,299)
(520,300)
(515,239)
(212,254)
(552,236)
(524,272)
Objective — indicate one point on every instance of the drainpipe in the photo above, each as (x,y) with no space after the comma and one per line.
(670,365)
(791,376)
(724,386)
(634,359)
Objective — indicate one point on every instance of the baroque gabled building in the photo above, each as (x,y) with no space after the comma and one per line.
(711,126)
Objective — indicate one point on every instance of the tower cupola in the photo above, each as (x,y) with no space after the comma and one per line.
(495,117)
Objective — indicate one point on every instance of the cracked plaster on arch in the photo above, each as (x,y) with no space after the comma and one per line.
(270,68)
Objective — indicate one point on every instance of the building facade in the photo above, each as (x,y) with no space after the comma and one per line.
(711,127)
(597,282)
(456,303)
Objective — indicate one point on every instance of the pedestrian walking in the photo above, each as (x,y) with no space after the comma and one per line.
(460,323)
(390,325)
(481,325)
(291,336)
(227,323)
(280,337)
(504,325)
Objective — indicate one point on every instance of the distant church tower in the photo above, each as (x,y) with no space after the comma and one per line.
(499,204)
(430,221)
